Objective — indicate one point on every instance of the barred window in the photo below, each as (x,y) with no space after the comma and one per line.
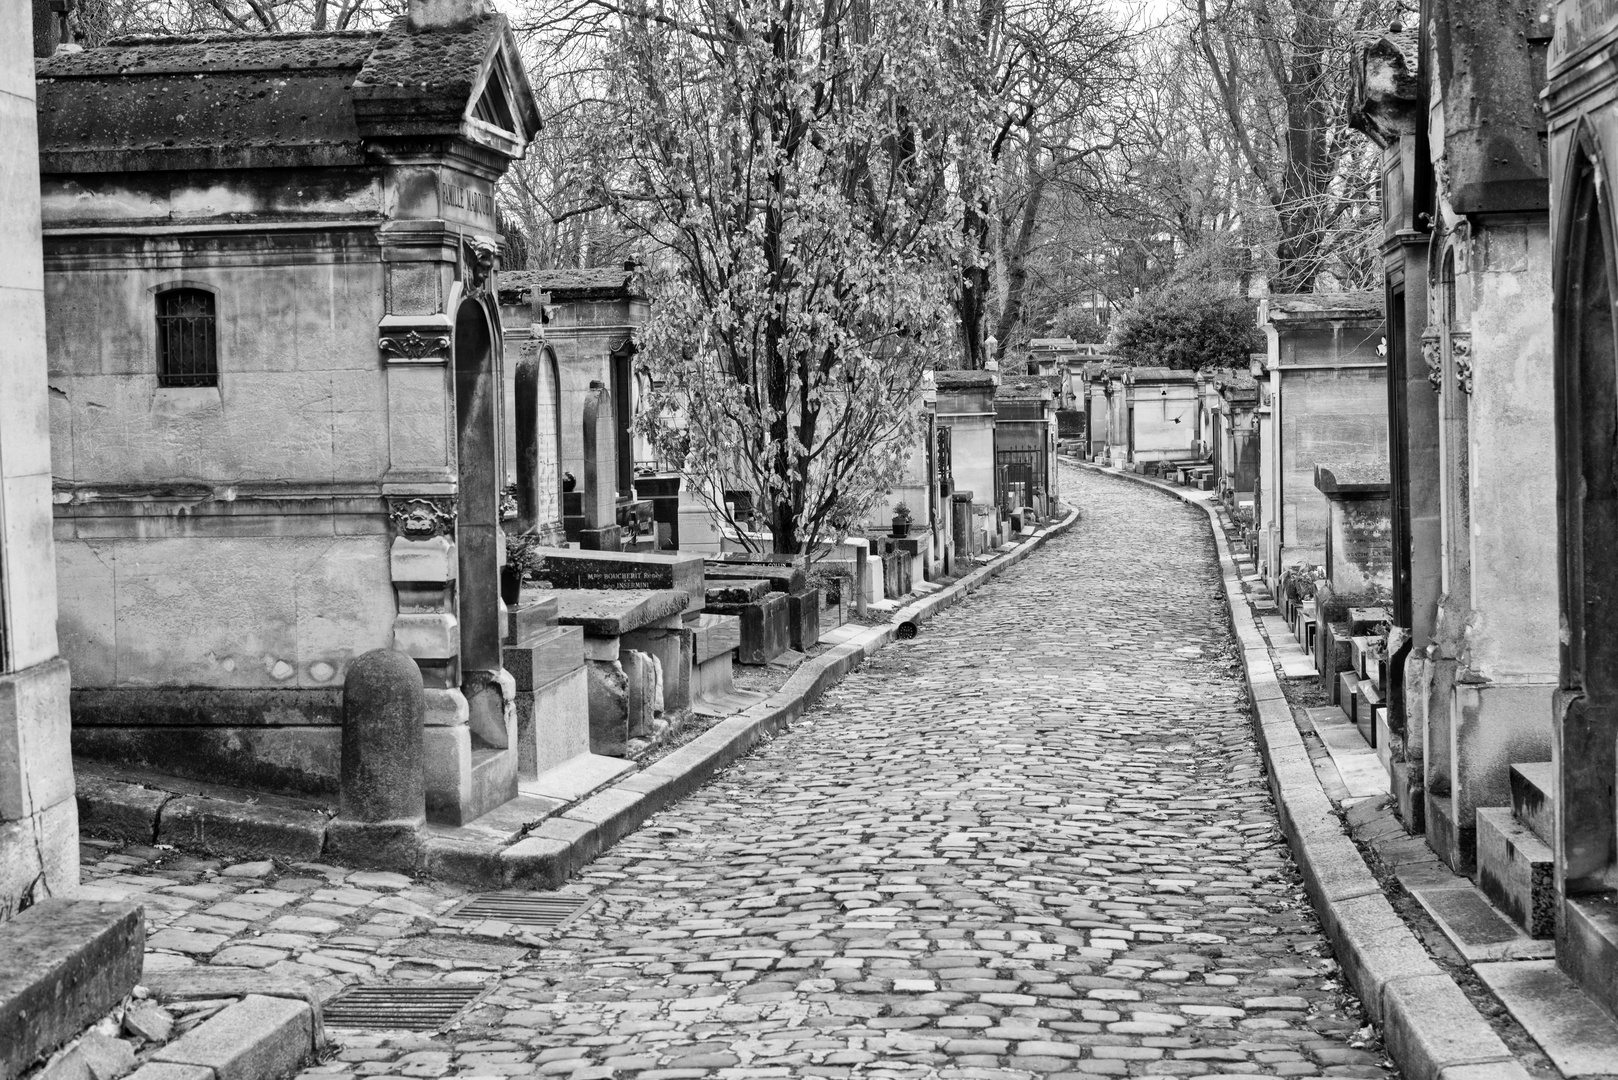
(187,352)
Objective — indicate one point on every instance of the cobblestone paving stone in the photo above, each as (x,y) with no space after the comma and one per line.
(1035,841)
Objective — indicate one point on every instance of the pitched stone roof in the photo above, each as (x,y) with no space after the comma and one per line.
(589,283)
(229,101)
(1304,307)
(963,380)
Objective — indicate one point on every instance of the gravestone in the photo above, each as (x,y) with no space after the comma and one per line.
(714,640)
(617,622)
(803,619)
(567,569)
(961,525)
(600,493)
(783,577)
(544,660)
(734,591)
(765,626)
(663,492)
(384,796)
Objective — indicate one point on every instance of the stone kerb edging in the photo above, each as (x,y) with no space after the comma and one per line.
(561,846)
(1430,1028)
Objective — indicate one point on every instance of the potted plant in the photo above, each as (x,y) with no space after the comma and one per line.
(521,560)
(901,520)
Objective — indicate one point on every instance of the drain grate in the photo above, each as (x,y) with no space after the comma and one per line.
(405,1007)
(521,908)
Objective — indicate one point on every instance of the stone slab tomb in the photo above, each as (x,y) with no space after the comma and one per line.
(766,629)
(638,659)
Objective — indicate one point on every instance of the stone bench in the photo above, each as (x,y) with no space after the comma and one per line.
(638,656)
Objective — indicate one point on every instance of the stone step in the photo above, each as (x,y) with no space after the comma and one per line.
(1590,937)
(577,777)
(1533,797)
(494,780)
(1475,927)
(1516,871)
(1579,1037)
(66,962)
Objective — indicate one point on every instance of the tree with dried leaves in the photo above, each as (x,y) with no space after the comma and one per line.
(796,168)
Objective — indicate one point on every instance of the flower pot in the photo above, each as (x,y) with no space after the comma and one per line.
(901,527)
(510,585)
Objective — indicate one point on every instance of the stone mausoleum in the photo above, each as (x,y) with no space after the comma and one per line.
(275,365)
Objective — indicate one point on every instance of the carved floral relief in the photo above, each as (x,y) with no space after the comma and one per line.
(422,518)
(1460,348)
(414,346)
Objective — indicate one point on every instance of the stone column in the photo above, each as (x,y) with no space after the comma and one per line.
(39,849)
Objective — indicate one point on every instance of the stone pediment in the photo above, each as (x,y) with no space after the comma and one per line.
(234,101)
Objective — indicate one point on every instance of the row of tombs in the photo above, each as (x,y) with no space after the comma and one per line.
(298,413)
(1431,517)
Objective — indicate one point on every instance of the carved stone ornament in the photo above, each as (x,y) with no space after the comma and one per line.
(421,518)
(478,263)
(1460,347)
(414,346)
(1432,353)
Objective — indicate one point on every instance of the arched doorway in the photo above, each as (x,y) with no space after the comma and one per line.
(477,510)
(1587,483)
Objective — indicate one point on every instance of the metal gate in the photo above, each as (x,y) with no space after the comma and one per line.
(1019,479)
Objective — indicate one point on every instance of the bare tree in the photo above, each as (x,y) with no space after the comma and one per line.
(1055,73)
(95,22)
(1279,70)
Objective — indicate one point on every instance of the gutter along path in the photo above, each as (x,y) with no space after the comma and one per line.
(1034,841)
(1432,1029)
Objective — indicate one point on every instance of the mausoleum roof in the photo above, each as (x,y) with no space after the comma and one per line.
(1310,307)
(229,101)
(1026,387)
(1160,374)
(588,283)
(963,380)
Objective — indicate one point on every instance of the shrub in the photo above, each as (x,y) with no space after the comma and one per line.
(1187,325)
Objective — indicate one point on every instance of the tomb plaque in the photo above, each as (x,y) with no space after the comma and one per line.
(567,569)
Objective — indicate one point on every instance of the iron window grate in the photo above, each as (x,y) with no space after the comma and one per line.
(521,908)
(187,349)
(401,1006)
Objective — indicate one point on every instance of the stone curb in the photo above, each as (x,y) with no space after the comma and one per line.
(1429,1026)
(258,1038)
(559,846)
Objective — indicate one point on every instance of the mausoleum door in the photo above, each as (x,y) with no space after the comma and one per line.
(477,511)
(1587,474)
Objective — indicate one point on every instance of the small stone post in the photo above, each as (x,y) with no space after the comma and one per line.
(384,795)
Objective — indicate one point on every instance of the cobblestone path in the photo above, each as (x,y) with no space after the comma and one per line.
(1035,841)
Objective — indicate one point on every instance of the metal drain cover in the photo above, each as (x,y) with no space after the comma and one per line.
(401,1006)
(521,908)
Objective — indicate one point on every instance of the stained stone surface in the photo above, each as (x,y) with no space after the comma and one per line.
(1035,841)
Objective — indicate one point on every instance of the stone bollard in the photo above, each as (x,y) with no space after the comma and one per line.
(384,796)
